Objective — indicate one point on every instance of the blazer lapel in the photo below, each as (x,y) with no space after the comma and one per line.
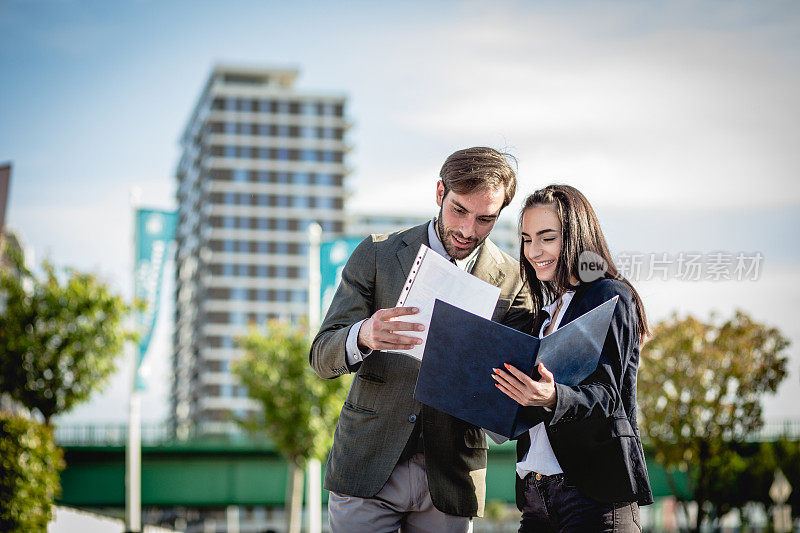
(487,266)
(412,239)
(569,312)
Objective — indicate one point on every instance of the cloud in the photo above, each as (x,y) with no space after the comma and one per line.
(689,111)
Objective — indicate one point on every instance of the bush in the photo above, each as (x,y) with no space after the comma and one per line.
(29,465)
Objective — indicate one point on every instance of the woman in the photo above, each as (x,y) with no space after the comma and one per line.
(581,467)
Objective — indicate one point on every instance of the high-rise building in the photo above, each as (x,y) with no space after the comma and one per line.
(261,161)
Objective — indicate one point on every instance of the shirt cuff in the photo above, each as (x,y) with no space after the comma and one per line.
(353,353)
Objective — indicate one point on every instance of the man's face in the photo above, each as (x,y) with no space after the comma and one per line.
(465,220)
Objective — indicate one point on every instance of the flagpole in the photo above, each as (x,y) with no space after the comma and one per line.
(314,469)
(133,450)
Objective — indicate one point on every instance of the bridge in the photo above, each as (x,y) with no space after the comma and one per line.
(240,471)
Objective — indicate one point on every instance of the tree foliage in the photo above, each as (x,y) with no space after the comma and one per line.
(29,466)
(59,339)
(700,389)
(300,410)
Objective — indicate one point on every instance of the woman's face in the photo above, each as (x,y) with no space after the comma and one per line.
(541,240)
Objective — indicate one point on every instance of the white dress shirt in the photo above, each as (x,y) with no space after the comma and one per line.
(540,457)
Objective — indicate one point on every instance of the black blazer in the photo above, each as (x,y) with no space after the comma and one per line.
(592,428)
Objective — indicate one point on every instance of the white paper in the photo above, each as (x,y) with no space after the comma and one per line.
(432,277)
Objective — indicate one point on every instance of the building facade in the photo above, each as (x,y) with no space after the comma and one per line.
(260,162)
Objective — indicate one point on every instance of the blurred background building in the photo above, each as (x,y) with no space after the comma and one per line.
(261,161)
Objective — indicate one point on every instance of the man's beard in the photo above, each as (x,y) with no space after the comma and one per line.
(444,236)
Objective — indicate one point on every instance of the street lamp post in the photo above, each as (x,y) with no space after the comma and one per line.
(314,469)
(133,450)
(781,513)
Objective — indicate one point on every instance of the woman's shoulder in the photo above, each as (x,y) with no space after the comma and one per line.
(604,289)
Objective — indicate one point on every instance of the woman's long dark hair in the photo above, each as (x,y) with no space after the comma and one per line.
(580,232)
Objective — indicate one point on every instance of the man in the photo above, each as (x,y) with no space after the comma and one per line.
(395,463)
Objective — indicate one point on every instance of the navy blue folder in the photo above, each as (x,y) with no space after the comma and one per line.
(462,348)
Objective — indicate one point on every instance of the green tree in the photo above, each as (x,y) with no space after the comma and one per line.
(59,339)
(700,389)
(29,466)
(299,409)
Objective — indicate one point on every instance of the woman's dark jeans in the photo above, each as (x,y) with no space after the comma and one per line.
(552,503)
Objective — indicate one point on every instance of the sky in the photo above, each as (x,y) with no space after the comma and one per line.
(678,120)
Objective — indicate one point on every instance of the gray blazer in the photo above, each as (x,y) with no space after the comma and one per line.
(380,411)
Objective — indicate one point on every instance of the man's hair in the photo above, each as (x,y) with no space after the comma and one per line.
(478,169)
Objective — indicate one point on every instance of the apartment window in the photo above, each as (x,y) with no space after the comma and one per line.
(230,104)
(230,128)
(325,202)
(227,270)
(261,248)
(228,223)
(307,132)
(263,153)
(309,108)
(328,156)
(239,294)
(230,151)
(308,155)
(239,175)
(281,248)
(261,271)
(283,107)
(263,129)
(282,154)
(281,271)
(244,151)
(299,296)
(283,130)
(301,201)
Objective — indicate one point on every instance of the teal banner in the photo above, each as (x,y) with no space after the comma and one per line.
(332,257)
(154,231)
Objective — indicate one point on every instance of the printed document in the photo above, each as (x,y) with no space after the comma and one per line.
(433,277)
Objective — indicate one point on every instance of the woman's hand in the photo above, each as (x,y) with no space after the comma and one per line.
(523,389)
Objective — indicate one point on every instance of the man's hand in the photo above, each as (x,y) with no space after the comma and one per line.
(378,331)
(524,389)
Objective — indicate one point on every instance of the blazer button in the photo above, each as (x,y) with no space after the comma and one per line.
(412,418)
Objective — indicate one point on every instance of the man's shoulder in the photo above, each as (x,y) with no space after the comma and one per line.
(501,257)
(406,235)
